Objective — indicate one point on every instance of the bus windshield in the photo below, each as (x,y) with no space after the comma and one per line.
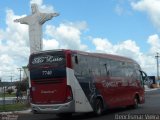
(48,65)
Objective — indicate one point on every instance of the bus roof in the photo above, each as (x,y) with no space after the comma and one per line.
(105,55)
(101,55)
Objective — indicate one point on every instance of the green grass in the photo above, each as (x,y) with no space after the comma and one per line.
(13,107)
(8,95)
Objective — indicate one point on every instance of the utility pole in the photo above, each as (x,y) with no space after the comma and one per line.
(20,70)
(157,57)
(11,80)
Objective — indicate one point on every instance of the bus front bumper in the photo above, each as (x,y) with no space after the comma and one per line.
(53,108)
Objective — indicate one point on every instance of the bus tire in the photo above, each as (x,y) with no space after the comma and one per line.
(98,110)
(135,105)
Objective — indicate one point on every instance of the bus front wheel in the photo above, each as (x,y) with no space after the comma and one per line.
(135,105)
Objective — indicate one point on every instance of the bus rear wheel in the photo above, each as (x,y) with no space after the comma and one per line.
(98,107)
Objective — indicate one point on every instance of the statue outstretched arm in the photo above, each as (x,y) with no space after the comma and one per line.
(17,20)
(47,16)
(23,20)
(54,14)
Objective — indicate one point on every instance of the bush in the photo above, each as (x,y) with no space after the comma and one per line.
(10,91)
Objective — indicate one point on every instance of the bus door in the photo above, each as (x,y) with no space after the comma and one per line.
(82,80)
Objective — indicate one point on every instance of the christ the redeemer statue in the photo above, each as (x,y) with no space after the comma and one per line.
(35,22)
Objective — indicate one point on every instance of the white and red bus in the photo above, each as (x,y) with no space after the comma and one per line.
(68,81)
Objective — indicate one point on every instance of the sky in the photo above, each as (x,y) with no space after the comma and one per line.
(129,28)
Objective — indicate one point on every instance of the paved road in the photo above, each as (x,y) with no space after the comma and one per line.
(148,111)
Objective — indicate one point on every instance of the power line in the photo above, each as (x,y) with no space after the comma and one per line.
(11,79)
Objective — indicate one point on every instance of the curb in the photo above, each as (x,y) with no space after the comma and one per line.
(29,111)
(148,90)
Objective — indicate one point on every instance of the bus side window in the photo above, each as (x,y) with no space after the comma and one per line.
(107,69)
(76,59)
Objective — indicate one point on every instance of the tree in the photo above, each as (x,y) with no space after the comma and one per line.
(10,90)
(22,85)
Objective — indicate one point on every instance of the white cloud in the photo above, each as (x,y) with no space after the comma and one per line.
(13,44)
(39,2)
(6,59)
(103,45)
(50,44)
(42,7)
(127,48)
(68,35)
(122,8)
(124,48)
(119,10)
(154,42)
(151,7)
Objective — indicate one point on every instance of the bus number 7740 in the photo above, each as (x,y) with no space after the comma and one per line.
(46,72)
